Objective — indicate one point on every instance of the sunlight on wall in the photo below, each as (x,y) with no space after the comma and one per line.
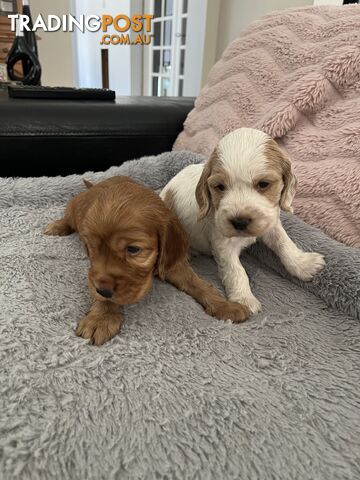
(55,48)
(236,15)
(88,49)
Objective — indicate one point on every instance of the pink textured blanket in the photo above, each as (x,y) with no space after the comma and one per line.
(295,75)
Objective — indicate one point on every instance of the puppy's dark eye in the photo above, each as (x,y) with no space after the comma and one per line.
(263,184)
(132,250)
(220,187)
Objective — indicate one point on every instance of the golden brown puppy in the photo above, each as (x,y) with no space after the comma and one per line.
(130,236)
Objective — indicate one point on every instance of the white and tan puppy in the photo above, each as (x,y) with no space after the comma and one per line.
(234,198)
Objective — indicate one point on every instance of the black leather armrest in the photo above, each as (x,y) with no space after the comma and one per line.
(47,137)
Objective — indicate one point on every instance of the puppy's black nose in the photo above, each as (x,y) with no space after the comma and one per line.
(105,293)
(240,223)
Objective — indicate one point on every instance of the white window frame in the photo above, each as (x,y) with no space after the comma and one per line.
(195,37)
(175,48)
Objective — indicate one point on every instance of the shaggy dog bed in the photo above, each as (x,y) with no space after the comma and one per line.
(177,394)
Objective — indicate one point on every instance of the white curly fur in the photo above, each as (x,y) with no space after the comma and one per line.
(242,155)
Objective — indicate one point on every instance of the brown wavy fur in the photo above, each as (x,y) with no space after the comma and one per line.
(113,215)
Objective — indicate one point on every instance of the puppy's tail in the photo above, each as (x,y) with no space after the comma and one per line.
(87,183)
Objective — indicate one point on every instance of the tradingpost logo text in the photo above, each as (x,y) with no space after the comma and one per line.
(124,30)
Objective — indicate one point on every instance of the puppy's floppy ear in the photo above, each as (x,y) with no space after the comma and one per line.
(278,157)
(290,183)
(173,245)
(202,192)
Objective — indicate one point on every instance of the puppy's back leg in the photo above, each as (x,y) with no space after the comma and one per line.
(59,227)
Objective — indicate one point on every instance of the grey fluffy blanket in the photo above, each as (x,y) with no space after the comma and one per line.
(177,394)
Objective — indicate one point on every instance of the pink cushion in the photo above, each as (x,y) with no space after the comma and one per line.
(296,75)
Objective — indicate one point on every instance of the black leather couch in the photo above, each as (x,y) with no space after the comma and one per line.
(47,137)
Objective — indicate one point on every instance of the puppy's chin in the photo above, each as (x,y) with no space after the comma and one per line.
(262,220)
(134,296)
(256,229)
(134,293)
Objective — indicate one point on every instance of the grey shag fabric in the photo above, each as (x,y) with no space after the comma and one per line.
(177,394)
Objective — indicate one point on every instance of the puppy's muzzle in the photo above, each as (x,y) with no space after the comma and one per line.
(240,223)
(105,293)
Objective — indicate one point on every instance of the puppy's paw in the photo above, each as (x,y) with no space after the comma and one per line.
(99,329)
(249,301)
(306,265)
(60,227)
(229,311)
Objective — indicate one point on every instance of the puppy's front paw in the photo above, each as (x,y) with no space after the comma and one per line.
(306,265)
(99,329)
(251,302)
(229,311)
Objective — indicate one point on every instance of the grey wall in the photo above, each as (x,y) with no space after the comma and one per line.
(236,15)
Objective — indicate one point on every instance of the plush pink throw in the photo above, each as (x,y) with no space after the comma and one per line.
(295,75)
